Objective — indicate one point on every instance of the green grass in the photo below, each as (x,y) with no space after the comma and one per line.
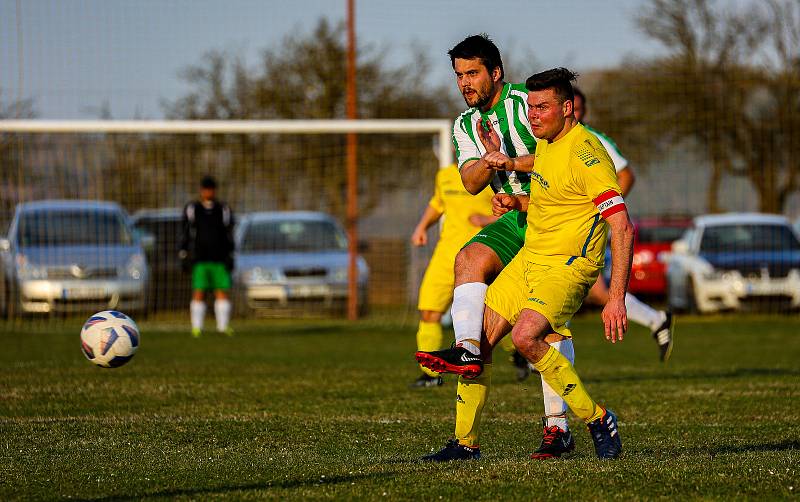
(321,410)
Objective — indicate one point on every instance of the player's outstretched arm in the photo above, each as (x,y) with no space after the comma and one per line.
(625,178)
(481,220)
(420,235)
(615,318)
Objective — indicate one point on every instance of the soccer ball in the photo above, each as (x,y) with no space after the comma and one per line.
(109,339)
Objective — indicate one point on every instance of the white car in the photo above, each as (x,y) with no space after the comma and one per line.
(734,261)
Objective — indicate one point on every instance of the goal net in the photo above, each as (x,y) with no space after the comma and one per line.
(285,181)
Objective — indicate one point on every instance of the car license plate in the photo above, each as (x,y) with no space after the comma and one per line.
(83,293)
(306,290)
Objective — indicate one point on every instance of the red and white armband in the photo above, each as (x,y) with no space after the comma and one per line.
(608,203)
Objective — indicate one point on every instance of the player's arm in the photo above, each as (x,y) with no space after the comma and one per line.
(612,209)
(503,203)
(186,231)
(420,235)
(626,179)
(481,220)
(496,159)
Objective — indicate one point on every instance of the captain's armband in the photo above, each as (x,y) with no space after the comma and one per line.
(608,203)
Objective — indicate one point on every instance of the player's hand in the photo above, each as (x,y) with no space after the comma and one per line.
(499,161)
(503,203)
(615,319)
(419,237)
(488,136)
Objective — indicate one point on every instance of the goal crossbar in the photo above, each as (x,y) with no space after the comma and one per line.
(440,127)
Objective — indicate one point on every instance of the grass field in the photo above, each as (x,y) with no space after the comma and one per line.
(321,410)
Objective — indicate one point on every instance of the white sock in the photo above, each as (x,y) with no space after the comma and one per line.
(222,311)
(642,313)
(197,309)
(555,409)
(467,312)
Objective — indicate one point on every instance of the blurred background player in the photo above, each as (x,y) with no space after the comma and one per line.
(463,216)
(658,321)
(207,250)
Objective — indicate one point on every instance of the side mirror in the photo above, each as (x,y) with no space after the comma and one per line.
(146,239)
(148,242)
(5,245)
(680,247)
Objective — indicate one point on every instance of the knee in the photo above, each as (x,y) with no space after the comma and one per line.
(430,316)
(477,262)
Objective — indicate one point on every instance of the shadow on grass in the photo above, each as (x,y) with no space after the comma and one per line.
(735,373)
(750,448)
(261,486)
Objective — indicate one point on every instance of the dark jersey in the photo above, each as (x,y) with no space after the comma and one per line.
(208,232)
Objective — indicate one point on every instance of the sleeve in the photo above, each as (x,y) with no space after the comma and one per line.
(229,221)
(595,175)
(466,149)
(618,160)
(186,227)
(437,202)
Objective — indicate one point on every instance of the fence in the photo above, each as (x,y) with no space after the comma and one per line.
(150,170)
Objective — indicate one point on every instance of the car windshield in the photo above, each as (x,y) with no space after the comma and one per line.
(294,236)
(72,228)
(659,234)
(748,238)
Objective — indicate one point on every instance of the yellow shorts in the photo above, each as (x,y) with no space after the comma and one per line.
(436,290)
(548,286)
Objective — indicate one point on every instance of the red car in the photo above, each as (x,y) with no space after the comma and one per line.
(654,237)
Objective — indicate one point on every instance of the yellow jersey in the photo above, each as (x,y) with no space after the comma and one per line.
(451,198)
(573,188)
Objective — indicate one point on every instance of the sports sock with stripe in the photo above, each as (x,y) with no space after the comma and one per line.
(555,409)
(429,338)
(560,375)
(470,399)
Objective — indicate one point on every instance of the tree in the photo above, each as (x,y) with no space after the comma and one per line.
(729,85)
(304,78)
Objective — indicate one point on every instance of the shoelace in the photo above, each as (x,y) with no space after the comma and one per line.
(550,434)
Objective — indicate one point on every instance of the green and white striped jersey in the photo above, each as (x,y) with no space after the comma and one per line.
(509,117)
(620,162)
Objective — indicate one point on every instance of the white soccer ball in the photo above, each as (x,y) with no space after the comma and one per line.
(109,339)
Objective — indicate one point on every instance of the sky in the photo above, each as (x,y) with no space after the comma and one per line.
(73,56)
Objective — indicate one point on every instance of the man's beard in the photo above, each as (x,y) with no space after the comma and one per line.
(482,99)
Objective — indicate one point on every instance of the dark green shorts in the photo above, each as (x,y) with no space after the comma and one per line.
(210,275)
(505,236)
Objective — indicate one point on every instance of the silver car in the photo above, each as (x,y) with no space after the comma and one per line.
(294,261)
(735,261)
(71,256)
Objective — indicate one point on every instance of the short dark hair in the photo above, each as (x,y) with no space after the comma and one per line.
(559,79)
(208,182)
(480,47)
(579,93)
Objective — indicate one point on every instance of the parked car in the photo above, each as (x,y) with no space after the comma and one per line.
(294,261)
(736,260)
(170,287)
(653,242)
(72,256)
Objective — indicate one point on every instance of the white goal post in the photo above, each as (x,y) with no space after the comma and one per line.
(441,127)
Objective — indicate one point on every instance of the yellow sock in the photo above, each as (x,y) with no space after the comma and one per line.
(429,337)
(508,344)
(470,398)
(560,375)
